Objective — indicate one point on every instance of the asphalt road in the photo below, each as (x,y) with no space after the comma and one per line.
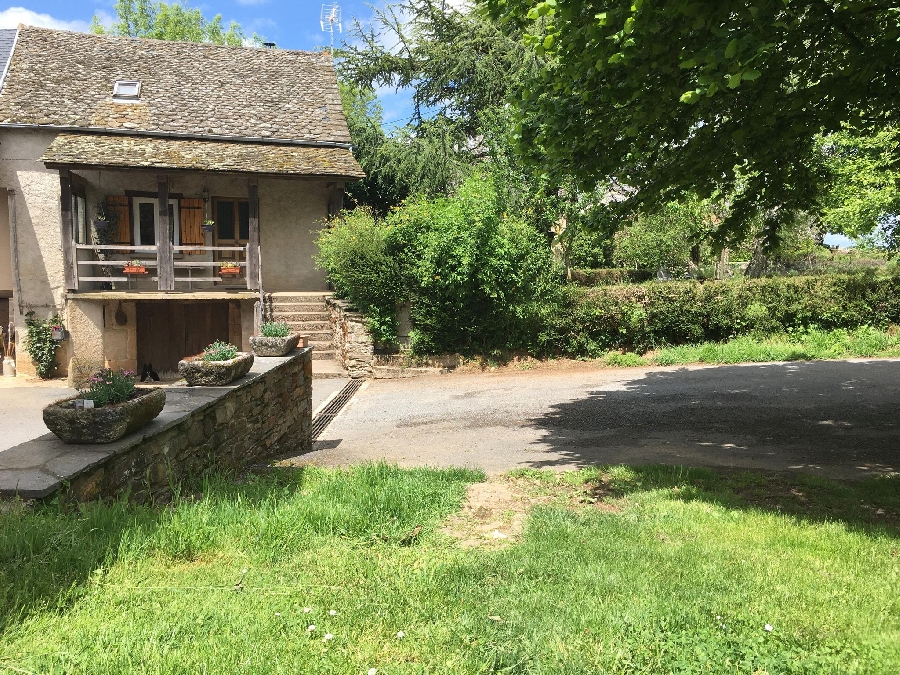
(836,418)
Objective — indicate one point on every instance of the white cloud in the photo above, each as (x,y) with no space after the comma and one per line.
(12,17)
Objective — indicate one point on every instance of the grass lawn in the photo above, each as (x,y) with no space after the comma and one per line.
(806,345)
(619,570)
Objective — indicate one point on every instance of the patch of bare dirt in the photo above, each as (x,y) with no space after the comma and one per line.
(494,512)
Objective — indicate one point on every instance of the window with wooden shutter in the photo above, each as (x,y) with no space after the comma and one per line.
(119,205)
(192,224)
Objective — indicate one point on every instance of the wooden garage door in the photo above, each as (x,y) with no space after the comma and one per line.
(169,331)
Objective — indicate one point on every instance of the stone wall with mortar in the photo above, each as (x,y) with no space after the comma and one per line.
(265,417)
(352,340)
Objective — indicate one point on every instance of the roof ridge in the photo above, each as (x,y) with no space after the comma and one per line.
(129,38)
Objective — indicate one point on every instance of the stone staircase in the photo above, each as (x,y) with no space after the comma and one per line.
(307,314)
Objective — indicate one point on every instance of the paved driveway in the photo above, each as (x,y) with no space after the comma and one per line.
(838,418)
(22,405)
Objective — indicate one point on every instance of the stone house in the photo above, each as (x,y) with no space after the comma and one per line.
(199,155)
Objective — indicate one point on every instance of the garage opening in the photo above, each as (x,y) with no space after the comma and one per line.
(167,331)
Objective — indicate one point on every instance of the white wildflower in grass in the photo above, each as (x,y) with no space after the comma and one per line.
(768,628)
(277,613)
(328,636)
(311,628)
(400,634)
(373,671)
(332,612)
(244,571)
(307,610)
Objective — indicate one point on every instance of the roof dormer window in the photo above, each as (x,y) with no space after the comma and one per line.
(127,90)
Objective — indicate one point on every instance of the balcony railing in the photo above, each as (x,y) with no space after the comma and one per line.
(187,265)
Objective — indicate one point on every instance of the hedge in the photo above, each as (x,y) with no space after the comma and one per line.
(610,276)
(592,321)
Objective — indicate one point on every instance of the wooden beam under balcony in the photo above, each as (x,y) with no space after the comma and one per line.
(67,230)
(253,239)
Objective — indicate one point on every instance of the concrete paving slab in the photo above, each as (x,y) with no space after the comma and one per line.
(27,483)
(21,408)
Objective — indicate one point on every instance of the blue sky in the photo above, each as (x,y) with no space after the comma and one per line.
(292,24)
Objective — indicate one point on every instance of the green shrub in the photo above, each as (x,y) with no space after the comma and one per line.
(593,321)
(275,329)
(220,351)
(108,387)
(353,251)
(474,278)
(39,344)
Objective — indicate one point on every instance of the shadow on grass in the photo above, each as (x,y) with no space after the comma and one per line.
(869,505)
(51,551)
(832,418)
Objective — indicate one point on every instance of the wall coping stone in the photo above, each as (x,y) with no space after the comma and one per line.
(39,467)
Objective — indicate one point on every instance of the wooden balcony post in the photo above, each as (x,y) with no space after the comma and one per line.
(336,199)
(67,230)
(253,240)
(165,259)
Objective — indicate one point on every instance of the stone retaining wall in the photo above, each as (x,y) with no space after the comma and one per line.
(354,345)
(263,417)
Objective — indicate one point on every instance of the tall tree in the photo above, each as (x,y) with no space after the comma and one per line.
(171,21)
(672,96)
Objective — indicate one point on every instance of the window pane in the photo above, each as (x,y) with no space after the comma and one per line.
(244,220)
(147,221)
(225,219)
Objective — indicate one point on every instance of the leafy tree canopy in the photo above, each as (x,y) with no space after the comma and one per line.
(171,21)
(678,96)
(865,191)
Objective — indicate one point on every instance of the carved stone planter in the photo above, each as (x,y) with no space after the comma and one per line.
(106,424)
(275,346)
(199,373)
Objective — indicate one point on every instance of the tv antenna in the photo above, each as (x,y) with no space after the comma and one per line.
(330,20)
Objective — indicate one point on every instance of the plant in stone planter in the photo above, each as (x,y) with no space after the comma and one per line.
(109,407)
(229,269)
(219,364)
(208,225)
(276,339)
(135,267)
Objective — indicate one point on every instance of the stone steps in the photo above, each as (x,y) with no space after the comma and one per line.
(307,326)
(324,369)
(302,317)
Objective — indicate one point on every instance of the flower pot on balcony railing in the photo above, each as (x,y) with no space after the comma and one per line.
(58,333)
(229,270)
(208,226)
(101,224)
(135,267)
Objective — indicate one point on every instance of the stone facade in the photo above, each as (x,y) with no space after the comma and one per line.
(352,340)
(258,419)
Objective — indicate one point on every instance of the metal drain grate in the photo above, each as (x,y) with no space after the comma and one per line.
(330,411)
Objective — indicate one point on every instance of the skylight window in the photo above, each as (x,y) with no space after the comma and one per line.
(127,89)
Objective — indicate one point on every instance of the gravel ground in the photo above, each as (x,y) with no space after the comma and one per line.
(836,418)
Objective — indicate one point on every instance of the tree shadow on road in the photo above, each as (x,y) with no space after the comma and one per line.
(833,418)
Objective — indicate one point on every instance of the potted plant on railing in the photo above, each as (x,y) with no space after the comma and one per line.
(109,407)
(208,226)
(219,364)
(58,332)
(276,339)
(135,267)
(229,269)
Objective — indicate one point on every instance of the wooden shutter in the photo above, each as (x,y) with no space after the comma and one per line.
(191,217)
(119,205)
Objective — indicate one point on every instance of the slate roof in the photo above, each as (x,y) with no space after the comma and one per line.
(148,152)
(61,78)
(7,40)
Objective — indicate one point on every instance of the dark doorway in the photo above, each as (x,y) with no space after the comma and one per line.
(169,331)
